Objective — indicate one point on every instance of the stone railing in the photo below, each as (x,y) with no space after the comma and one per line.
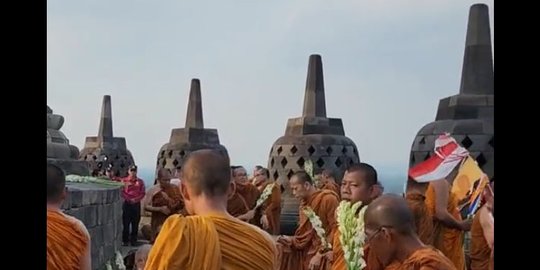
(99,207)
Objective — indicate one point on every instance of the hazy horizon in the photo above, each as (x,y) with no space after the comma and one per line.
(386,66)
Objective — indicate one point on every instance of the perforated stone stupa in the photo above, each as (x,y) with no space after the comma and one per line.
(105,150)
(59,151)
(313,136)
(467,116)
(192,137)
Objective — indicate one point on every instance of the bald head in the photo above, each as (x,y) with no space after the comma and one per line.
(164,174)
(207,172)
(390,211)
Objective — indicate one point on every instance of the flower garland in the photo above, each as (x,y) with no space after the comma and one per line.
(317,226)
(352,236)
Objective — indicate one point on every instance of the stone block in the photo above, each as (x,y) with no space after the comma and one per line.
(75,198)
(118,229)
(107,214)
(117,209)
(78,213)
(90,215)
(91,197)
(96,237)
(108,233)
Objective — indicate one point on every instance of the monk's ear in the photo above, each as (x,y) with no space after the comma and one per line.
(231,190)
(183,191)
(64,194)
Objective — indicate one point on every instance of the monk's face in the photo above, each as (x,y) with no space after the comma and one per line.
(380,242)
(240,175)
(299,189)
(354,188)
(164,177)
(319,180)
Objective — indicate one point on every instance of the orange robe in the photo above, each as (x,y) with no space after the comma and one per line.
(305,242)
(338,263)
(66,242)
(211,242)
(448,240)
(423,219)
(176,204)
(332,187)
(480,251)
(272,209)
(249,192)
(426,259)
(236,205)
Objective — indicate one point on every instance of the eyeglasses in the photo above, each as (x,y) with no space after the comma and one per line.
(370,237)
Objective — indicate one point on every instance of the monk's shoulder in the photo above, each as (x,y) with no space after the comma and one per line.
(78,224)
(257,233)
(429,258)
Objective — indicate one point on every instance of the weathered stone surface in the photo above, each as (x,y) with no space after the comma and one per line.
(105,150)
(313,136)
(59,151)
(90,204)
(469,115)
(194,136)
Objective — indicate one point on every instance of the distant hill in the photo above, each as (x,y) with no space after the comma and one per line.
(392,180)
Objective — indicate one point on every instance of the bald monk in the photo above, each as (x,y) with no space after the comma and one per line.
(422,217)
(359,184)
(164,200)
(270,210)
(236,204)
(448,227)
(390,233)
(68,241)
(304,250)
(209,238)
(328,181)
(482,235)
(246,189)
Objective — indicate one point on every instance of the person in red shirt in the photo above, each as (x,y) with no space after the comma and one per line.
(132,193)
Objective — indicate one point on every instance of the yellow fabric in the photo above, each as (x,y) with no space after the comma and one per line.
(468,173)
(211,242)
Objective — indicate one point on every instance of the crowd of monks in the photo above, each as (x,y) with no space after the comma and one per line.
(217,218)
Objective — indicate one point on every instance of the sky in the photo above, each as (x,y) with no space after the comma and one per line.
(386,65)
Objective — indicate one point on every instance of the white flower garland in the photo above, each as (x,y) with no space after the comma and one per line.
(352,236)
(317,226)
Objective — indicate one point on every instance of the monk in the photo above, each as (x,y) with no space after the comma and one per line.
(482,236)
(390,233)
(246,189)
(164,201)
(448,227)
(423,219)
(68,241)
(236,204)
(359,184)
(269,214)
(210,238)
(328,181)
(304,250)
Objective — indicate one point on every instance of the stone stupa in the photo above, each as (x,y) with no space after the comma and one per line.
(313,136)
(104,150)
(194,136)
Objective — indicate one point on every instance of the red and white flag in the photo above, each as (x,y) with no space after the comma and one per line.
(448,154)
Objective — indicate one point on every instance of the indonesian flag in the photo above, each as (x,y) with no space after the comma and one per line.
(448,154)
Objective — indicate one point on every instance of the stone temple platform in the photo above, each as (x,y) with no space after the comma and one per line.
(99,207)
